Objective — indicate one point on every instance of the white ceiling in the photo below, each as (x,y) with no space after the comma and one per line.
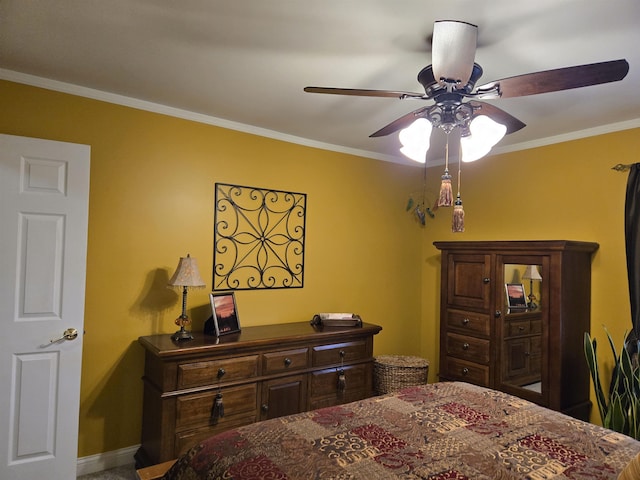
(244,63)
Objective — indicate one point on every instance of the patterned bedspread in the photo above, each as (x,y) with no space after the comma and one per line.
(437,431)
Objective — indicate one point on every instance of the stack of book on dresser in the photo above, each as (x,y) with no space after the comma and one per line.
(336,320)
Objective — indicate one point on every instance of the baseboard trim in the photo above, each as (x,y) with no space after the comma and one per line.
(106,460)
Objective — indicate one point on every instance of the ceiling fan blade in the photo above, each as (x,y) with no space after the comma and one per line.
(499,115)
(363,92)
(560,79)
(453,50)
(399,123)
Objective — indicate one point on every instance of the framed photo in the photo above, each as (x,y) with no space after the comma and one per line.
(225,313)
(516,297)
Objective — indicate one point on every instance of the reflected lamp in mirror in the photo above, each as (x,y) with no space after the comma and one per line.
(185,277)
(531,273)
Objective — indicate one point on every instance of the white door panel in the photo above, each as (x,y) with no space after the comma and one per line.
(44,192)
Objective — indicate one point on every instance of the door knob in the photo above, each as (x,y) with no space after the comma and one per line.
(68,334)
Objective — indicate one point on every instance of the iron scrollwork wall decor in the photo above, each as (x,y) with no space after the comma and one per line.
(258,238)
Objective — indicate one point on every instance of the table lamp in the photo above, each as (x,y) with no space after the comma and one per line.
(186,276)
(531,273)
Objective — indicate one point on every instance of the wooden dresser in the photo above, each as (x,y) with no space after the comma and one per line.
(534,352)
(262,372)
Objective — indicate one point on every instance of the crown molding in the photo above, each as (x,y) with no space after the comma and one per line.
(136,103)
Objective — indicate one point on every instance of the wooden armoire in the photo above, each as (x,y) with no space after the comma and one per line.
(534,352)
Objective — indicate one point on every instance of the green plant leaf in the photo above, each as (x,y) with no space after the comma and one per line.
(615,418)
(622,413)
(592,360)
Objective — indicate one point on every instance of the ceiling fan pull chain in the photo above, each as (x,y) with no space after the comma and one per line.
(457,222)
(446,194)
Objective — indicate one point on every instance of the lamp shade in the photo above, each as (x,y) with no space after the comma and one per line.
(531,273)
(187,274)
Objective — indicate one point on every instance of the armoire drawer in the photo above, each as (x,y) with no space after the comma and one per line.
(195,374)
(467,371)
(468,348)
(472,323)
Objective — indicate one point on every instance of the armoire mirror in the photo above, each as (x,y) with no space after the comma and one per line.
(521,329)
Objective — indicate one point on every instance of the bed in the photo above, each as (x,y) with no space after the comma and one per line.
(447,430)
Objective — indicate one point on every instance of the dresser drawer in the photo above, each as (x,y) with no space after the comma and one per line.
(467,371)
(337,353)
(210,373)
(468,348)
(333,400)
(195,410)
(325,382)
(468,322)
(276,362)
(188,438)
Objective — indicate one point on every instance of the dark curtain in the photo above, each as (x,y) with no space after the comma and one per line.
(632,241)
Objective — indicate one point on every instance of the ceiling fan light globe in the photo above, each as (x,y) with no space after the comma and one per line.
(415,139)
(415,154)
(483,133)
(472,149)
(488,129)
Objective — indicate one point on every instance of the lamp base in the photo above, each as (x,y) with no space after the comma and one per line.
(532,302)
(182,335)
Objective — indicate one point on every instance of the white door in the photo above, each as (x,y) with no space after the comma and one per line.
(44,196)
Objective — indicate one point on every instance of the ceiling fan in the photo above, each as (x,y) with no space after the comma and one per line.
(450,82)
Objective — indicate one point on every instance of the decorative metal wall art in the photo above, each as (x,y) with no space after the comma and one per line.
(258,238)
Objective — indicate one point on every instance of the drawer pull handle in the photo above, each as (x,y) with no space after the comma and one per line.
(465,346)
(465,321)
(342,353)
(465,370)
(221,372)
(217,411)
(287,362)
(521,328)
(342,381)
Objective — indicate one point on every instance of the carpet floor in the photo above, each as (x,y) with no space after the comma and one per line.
(119,473)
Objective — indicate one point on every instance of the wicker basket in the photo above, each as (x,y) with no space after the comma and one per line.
(393,372)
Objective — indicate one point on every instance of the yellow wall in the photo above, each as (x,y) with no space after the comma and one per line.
(151,201)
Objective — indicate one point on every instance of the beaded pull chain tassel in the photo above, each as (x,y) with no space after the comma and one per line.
(457,222)
(446,194)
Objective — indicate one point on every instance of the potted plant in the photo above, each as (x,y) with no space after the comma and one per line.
(619,405)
